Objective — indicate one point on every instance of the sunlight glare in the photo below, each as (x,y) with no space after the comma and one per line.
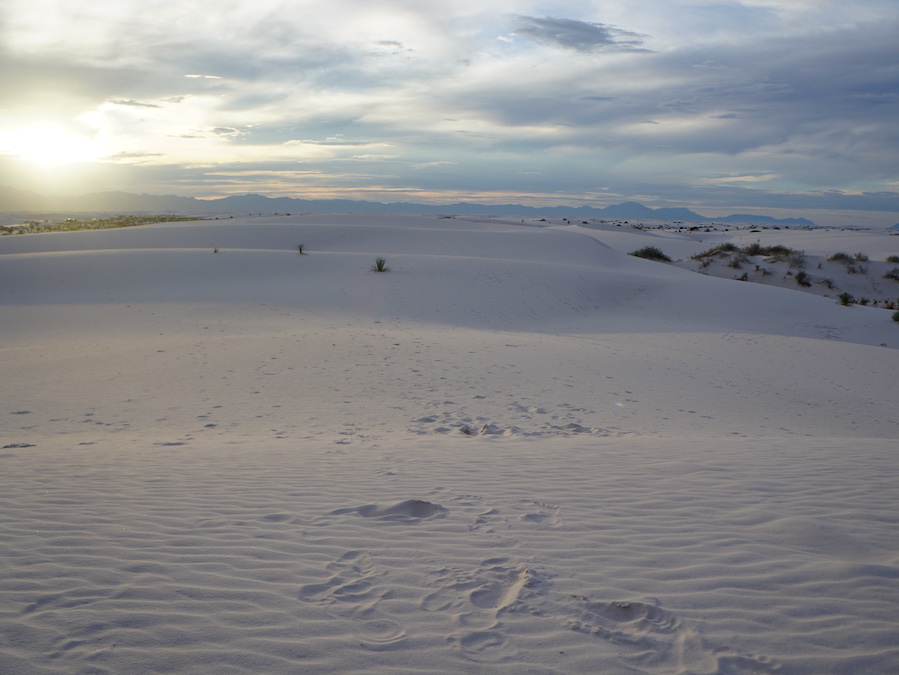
(48,145)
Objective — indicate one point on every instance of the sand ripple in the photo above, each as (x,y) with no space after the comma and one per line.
(586,557)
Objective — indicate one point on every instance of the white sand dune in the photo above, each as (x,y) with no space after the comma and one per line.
(518,451)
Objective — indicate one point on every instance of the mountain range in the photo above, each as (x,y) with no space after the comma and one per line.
(12,200)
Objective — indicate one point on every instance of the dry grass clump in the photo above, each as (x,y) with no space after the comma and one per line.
(650,253)
(720,249)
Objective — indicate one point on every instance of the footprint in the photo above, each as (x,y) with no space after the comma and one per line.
(379,634)
(485,646)
(407,510)
(661,642)
(487,521)
(496,585)
(540,513)
(350,581)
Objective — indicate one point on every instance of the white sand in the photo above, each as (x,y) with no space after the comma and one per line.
(519,451)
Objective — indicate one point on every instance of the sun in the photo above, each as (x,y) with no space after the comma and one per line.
(48,145)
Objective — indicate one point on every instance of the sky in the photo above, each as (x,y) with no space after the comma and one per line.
(781,107)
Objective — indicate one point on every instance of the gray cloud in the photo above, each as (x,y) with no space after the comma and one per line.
(731,91)
(582,36)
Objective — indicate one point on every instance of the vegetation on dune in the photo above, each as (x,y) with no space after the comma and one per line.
(846,299)
(896,317)
(650,253)
(380,265)
(73,224)
(892,274)
(850,261)
(720,249)
(776,252)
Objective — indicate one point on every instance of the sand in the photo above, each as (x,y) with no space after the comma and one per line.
(518,451)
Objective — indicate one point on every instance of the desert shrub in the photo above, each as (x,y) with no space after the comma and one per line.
(716,250)
(380,265)
(300,248)
(845,298)
(802,278)
(893,258)
(650,253)
(827,282)
(796,259)
(896,317)
(849,262)
(777,251)
(892,274)
(861,257)
(755,248)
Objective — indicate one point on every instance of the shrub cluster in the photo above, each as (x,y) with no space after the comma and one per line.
(777,252)
(849,262)
(650,253)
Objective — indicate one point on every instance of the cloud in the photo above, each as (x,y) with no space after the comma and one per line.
(801,93)
(133,104)
(582,36)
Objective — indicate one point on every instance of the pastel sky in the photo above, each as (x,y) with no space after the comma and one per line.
(784,107)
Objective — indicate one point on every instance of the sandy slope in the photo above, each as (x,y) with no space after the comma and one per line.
(520,450)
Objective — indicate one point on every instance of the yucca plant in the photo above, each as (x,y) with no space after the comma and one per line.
(846,298)
(300,248)
(380,265)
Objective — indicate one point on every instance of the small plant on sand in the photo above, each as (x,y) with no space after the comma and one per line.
(755,248)
(778,252)
(300,248)
(215,250)
(892,274)
(380,265)
(716,250)
(650,253)
(861,257)
(802,278)
(796,260)
(893,258)
(846,299)
(896,317)
(849,262)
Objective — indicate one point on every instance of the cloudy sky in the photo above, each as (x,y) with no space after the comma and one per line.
(785,107)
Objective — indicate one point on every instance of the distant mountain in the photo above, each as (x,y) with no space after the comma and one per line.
(123,202)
